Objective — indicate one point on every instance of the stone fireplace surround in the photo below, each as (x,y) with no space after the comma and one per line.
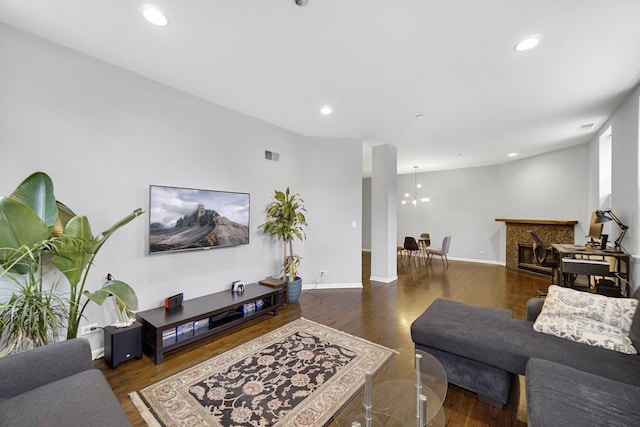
(550,231)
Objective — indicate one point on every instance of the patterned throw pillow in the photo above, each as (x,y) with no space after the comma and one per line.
(588,318)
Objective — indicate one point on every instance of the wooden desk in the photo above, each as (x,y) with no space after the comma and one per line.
(576,260)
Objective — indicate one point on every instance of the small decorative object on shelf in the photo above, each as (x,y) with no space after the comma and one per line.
(237,287)
(272,282)
(174,301)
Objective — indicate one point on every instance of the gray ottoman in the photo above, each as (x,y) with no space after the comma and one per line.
(460,337)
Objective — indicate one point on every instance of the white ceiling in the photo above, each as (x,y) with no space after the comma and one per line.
(378,63)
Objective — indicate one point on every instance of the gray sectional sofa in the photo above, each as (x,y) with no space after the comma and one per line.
(567,382)
(56,385)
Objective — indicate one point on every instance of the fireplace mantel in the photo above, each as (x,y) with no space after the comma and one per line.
(538,221)
(550,230)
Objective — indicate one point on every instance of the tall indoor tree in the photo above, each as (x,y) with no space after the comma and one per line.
(286,220)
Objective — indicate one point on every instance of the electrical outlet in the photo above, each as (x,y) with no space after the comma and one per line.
(86,330)
(323,272)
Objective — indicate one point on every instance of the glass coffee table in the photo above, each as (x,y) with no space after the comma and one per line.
(408,391)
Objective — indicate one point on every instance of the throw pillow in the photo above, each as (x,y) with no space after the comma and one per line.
(634,333)
(588,318)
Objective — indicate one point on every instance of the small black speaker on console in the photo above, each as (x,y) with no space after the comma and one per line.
(122,344)
(173,302)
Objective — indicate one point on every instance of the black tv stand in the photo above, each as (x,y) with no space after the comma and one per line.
(167,330)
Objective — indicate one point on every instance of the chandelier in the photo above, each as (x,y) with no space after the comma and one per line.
(416,192)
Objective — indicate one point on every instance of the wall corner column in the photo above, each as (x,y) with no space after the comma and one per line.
(384,215)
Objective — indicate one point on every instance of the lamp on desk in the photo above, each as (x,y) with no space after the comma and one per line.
(607,215)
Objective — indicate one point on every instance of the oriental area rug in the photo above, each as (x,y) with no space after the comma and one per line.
(300,374)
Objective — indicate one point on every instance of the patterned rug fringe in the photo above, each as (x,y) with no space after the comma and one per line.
(144,410)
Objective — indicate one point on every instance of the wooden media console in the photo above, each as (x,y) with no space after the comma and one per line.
(198,318)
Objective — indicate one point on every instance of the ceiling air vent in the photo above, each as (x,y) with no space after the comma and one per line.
(585,128)
(271,155)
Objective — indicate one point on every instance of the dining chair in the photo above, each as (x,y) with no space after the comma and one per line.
(424,242)
(442,251)
(412,248)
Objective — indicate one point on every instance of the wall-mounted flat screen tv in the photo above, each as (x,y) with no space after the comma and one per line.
(182,219)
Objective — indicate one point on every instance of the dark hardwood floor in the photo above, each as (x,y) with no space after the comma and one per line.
(379,312)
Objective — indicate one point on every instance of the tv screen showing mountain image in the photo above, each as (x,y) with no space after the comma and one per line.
(183,219)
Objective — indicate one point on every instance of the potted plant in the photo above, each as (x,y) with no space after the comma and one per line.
(36,231)
(34,313)
(285,219)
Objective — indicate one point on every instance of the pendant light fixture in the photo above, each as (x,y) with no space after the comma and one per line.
(415,197)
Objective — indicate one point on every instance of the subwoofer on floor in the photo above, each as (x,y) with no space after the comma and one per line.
(122,344)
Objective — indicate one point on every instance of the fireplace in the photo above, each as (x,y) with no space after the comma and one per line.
(527,261)
(519,243)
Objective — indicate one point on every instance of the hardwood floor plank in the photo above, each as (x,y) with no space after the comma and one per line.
(379,312)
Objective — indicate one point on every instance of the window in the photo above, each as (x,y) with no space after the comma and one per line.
(604,182)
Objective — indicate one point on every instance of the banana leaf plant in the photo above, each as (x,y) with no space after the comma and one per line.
(35,226)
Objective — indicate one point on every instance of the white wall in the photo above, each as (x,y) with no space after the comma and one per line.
(552,186)
(548,186)
(625,200)
(104,135)
(334,213)
(625,177)
(464,203)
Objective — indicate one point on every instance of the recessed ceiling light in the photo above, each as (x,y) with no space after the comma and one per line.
(528,43)
(154,16)
(326,110)
(419,116)
(512,154)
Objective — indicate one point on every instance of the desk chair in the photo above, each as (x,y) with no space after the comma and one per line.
(442,252)
(541,258)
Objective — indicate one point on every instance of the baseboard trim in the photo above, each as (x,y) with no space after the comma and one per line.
(480,261)
(477,261)
(383,279)
(332,286)
(97,353)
